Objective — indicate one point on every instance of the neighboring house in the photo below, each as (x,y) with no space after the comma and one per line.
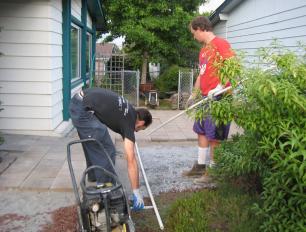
(251,24)
(104,52)
(46,56)
(154,70)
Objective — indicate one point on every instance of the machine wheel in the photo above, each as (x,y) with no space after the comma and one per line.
(85,219)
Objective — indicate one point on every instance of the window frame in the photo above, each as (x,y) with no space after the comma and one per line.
(89,55)
(79,44)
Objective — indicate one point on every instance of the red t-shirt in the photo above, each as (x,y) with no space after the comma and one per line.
(217,48)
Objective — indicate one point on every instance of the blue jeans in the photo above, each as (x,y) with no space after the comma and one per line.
(88,126)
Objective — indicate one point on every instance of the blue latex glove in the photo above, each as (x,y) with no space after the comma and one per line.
(137,200)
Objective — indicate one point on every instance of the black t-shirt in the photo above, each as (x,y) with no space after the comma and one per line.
(112,110)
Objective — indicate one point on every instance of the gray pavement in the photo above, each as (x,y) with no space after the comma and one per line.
(39,163)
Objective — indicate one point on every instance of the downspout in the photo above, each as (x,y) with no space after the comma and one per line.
(93,56)
(83,46)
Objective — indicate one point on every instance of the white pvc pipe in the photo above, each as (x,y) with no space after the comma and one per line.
(189,108)
(161,225)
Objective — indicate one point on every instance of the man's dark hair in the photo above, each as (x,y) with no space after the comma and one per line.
(202,23)
(144,115)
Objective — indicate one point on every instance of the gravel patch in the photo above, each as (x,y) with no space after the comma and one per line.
(164,164)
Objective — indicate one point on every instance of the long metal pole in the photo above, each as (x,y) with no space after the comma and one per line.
(179,90)
(189,108)
(161,225)
(137,87)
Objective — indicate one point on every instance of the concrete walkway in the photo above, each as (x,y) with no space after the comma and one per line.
(39,163)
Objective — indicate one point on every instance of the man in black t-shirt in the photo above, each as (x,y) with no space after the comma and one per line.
(93,111)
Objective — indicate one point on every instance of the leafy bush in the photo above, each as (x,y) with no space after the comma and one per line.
(168,80)
(270,105)
(237,161)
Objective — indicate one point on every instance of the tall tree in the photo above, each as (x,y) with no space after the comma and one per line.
(158,30)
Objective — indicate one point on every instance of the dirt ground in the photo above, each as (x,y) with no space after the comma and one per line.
(54,211)
(30,211)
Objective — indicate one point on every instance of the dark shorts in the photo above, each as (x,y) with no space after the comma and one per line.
(208,128)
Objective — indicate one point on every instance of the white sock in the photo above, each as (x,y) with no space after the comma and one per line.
(203,155)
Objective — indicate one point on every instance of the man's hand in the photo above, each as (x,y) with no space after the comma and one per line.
(211,93)
(137,200)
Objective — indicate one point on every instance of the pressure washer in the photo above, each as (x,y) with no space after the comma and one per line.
(101,207)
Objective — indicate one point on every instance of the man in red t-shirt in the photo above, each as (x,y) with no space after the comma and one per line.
(209,135)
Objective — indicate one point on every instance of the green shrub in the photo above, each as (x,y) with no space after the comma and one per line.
(238,164)
(271,107)
(168,80)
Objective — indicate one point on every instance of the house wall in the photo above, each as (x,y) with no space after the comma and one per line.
(31,65)
(256,23)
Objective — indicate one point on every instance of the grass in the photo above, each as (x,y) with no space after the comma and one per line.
(223,209)
(146,221)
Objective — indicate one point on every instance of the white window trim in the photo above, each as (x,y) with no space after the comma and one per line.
(73,79)
(90,51)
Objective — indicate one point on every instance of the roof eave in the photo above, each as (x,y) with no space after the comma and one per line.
(98,15)
(226,7)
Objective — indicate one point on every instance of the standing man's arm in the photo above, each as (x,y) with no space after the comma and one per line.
(191,99)
(197,83)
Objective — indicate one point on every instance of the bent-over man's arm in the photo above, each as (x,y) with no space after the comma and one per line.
(131,163)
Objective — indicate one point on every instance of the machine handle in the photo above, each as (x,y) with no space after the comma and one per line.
(99,190)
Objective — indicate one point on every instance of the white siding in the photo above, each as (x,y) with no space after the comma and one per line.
(31,65)
(43,75)
(256,23)
(76,9)
(30,100)
(220,29)
(89,21)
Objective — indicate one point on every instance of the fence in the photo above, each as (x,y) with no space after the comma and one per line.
(124,82)
(185,85)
